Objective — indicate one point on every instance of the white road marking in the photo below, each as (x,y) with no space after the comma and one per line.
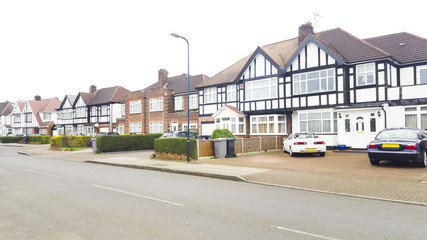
(305,233)
(137,195)
(41,173)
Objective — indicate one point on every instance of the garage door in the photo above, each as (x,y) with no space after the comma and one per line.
(208,128)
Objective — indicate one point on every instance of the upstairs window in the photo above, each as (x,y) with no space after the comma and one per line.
(261,89)
(365,74)
(156,104)
(179,103)
(231,93)
(47,116)
(194,103)
(210,95)
(134,107)
(104,110)
(313,82)
(422,75)
(80,112)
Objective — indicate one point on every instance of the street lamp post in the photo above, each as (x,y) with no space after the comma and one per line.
(188,93)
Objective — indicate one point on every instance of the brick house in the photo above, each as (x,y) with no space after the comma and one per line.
(162,106)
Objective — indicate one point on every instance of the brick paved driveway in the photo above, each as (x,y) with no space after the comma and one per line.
(347,173)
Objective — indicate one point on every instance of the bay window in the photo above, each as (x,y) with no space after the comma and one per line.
(317,122)
(235,124)
(312,82)
(80,112)
(261,89)
(416,117)
(268,124)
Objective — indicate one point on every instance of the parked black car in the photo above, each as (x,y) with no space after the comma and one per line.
(399,144)
(178,134)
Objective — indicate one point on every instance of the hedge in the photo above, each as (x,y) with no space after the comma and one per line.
(118,143)
(176,145)
(70,141)
(10,139)
(222,133)
(42,139)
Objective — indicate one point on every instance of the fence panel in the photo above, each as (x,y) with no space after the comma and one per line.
(206,148)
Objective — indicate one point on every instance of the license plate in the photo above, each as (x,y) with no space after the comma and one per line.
(391,145)
(310,149)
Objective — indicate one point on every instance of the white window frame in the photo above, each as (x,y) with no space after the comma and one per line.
(419,75)
(104,110)
(209,95)
(156,127)
(47,116)
(194,104)
(231,93)
(135,127)
(67,114)
(325,78)
(257,120)
(124,109)
(270,84)
(179,103)
(418,112)
(156,104)
(361,71)
(193,126)
(232,123)
(134,107)
(304,119)
(80,112)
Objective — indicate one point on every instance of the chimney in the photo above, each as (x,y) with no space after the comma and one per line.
(303,31)
(92,89)
(37,98)
(163,77)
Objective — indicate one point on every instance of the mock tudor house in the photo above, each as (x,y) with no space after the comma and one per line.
(6,109)
(88,113)
(162,106)
(331,83)
(34,116)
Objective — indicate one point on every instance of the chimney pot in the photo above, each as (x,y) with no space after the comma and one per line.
(37,98)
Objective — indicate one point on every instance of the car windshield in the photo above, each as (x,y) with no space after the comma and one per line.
(167,134)
(397,134)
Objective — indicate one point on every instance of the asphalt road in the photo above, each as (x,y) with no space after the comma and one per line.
(57,199)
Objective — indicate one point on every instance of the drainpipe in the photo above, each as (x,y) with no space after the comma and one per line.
(385,116)
(145,116)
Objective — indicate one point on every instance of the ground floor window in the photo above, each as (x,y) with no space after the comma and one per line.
(156,127)
(318,122)
(193,127)
(235,124)
(135,127)
(68,129)
(89,130)
(43,131)
(268,124)
(416,117)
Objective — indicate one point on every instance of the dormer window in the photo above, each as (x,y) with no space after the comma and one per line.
(365,74)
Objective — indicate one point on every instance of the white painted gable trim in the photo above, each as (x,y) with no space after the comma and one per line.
(224,108)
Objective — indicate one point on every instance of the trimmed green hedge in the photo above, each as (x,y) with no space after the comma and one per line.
(10,139)
(42,139)
(118,143)
(176,145)
(222,133)
(71,141)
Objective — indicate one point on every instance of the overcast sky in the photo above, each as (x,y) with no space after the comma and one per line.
(55,47)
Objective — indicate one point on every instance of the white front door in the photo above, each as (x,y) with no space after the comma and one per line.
(358,128)
(174,127)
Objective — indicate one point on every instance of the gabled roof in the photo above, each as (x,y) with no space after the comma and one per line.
(229,108)
(51,105)
(109,95)
(5,108)
(179,83)
(403,47)
(21,105)
(87,97)
(44,105)
(71,99)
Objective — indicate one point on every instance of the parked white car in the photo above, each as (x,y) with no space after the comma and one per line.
(304,143)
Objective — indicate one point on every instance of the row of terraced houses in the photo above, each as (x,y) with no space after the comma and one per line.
(331,83)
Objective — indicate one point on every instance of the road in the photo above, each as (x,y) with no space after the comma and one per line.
(44,198)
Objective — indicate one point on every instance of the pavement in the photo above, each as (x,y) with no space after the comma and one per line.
(340,173)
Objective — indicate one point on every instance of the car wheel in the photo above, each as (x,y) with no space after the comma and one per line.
(374,161)
(423,162)
(292,154)
(322,154)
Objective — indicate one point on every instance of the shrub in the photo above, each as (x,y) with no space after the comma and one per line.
(42,139)
(176,145)
(222,133)
(117,143)
(10,139)
(70,141)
